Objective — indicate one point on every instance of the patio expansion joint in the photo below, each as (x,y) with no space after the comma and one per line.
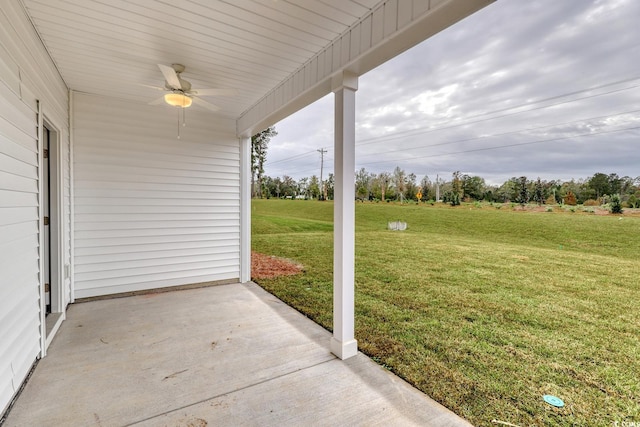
(330,359)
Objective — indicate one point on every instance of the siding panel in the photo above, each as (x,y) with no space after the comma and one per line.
(151,210)
(27,76)
(19,257)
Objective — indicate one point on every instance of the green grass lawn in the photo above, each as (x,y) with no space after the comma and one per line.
(485,310)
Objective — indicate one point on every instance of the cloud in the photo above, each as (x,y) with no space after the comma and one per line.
(519,88)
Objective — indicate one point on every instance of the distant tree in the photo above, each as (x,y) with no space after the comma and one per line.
(523,191)
(580,190)
(289,187)
(473,187)
(445,186)
(615,184)
(259,144)
(399,181)
(411,187)
(447,197)
(303,187)
(456,190)
(427,188)
(599,183)
(314,187)
(538,194)
(508,191)
(363,184)
(329,186)
(570,199)
(616,204)
(277,182)
(491,194)
(383,181)
(627,185)
(271,188)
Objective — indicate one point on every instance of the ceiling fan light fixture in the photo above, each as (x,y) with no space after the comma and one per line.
(178,100)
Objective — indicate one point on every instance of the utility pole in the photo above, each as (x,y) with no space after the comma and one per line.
(322,151)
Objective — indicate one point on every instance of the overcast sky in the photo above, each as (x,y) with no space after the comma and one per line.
(543,88)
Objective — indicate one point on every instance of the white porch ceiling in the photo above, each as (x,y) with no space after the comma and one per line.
(111,47)
(279,55)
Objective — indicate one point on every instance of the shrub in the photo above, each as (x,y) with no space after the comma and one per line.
(591,202)
(570,199)
(633,201)
(551,200)
(616,204)
(549,209)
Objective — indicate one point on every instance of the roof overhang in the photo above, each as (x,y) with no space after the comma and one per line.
(278,56)
(385,32)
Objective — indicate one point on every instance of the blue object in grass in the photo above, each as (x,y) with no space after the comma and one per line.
(553,400)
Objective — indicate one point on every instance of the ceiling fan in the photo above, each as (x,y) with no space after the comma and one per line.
(179,91)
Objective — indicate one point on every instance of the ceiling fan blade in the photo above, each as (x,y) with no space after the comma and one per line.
(215,92)
(153,87)
(170,76)
(157,101)
(206,104)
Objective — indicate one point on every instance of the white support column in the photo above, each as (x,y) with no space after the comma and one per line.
(343,343)
(245,209)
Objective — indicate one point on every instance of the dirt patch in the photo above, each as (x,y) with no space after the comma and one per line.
(268,266)
(193,422)
(538,209)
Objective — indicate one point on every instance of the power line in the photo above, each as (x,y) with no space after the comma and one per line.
(424,130)
(608,116)
(519,106)
(551,98)
(510,145)
(302,170)
(292,157)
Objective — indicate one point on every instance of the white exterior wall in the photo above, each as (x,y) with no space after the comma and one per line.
(20,290)
(27,75)
(152,210)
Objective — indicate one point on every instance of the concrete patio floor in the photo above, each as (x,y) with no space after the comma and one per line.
(217,356)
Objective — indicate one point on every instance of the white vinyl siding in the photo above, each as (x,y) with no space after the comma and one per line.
(19,257)
(27,75)
(152,210)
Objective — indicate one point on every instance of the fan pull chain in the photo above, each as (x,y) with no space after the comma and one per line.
(178,124)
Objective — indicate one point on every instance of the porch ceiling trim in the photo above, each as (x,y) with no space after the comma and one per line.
(386,31)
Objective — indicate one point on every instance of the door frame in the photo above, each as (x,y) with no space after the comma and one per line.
(49,324)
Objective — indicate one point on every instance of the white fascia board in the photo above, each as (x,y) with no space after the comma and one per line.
(382,34)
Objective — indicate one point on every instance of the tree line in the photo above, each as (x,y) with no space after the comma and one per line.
(401,186)
(599,189)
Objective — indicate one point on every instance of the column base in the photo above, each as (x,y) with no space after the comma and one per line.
(344,350)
